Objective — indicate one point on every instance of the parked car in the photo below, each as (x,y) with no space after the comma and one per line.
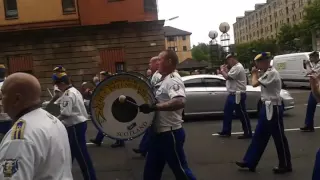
(206,95)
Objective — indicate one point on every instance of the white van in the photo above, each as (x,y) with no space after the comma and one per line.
(291,69)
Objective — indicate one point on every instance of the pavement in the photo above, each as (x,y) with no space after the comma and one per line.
(211,157)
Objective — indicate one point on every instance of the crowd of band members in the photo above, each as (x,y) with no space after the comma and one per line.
(163,141)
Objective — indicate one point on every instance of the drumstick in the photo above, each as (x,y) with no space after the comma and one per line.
(50,92)
(123,99)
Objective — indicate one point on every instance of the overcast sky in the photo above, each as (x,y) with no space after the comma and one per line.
(201,16)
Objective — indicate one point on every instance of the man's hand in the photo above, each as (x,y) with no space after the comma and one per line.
(254,70)
(147,108)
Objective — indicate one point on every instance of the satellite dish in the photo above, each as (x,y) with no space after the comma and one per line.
(213,34)
(224,27)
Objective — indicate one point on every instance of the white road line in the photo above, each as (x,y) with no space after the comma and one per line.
(293,129)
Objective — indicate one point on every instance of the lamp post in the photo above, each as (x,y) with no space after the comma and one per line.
(214,47)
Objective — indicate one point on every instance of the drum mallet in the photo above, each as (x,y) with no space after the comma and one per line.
(123,99)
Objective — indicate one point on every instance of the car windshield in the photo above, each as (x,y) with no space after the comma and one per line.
(205,82)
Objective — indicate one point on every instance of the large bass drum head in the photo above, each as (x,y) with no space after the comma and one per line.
(122,121)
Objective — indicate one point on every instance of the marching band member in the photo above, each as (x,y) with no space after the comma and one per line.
(167,144)
(236,100)
(315,89)
(56,91)
(36,146)
(74,116)
(270,121)
(144,143)
(312,102)
(99,138)
(6,121)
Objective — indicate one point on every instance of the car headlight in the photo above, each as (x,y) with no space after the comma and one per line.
(285,94)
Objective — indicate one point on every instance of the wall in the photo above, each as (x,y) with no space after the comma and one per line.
(36,11)
(106,11)
(77,49)
(179,43)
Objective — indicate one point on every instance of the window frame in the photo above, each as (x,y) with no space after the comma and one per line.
(201,82)
(6,10)
(68,10)
(222,81)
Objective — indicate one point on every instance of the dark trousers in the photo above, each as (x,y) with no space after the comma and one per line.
(266,128)
(316,169)
(167,147)
(311,109)
(144,143)
(77,140)
(241,112)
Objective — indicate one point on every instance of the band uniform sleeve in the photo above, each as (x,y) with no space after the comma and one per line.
(176,89)
(18,160)
(234,71)
(267,78)
(66,103)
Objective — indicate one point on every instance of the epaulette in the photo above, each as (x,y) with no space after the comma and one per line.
(18,129)
(67,92)
(172,75)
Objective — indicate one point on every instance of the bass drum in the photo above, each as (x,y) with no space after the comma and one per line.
(122,120)
(143,77)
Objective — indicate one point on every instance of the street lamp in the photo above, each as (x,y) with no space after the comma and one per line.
(213,46)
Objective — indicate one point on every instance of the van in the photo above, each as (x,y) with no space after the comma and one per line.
(291,69)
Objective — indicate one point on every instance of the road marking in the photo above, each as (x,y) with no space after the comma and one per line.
(317,105)
(293,129)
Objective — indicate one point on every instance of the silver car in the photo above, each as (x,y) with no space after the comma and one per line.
(206,95)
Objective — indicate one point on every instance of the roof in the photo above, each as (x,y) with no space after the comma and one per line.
(192,64)
(171,31)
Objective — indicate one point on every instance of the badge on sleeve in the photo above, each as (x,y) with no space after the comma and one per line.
(65,103)
(10,167)
(176,87)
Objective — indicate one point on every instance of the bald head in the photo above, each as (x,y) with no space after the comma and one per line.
(153,64)
(20,91)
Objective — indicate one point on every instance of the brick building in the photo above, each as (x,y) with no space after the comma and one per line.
(79,37)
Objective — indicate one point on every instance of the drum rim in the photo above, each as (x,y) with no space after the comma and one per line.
(94,121)
(140,74)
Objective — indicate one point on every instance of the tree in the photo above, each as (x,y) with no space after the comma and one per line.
(200,52)
(312,15)
(247,51)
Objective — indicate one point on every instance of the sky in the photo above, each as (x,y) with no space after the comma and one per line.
(202,16)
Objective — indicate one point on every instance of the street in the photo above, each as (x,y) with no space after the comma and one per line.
(211,157)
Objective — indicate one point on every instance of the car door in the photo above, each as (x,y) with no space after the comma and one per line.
(217,91)
(196,94)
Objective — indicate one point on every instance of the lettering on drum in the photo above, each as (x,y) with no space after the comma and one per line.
(119,83)
(134,131)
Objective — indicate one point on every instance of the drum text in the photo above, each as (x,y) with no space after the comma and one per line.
(134,131)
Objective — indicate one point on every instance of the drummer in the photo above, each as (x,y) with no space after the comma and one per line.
(167,144)
(99,138)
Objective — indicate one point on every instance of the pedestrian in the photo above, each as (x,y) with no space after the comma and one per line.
(236,100)
(6,122)
(312,103)
(315,89)
(37,146)
(270,121)
(167,143)
(100,136)
(154,77)
(74,116)
(56,91)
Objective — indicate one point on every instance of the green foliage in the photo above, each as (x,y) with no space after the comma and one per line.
(200,52)
(247,51)
(184,73)
(312,15)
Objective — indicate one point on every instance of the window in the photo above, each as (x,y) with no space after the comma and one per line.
(11,9)
(171,38)
(287,10)
(20,63)
(293,5)
(270,18)
(212,82)
(300,3)
(120,67)
(150,6)
(301,15)
(271,28)
(173,48)
(194,83)
(68,6)
(275,14)
(184,38)
(185,48)
(294,17)
(288,20)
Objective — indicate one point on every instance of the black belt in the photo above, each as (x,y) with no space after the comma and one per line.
(234,93)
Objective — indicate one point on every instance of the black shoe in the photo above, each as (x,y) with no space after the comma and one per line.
(118,144)
(307,129)
(138,151)
(223,134)
(245,137)
(281,170)
(245,165)
(95,142)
